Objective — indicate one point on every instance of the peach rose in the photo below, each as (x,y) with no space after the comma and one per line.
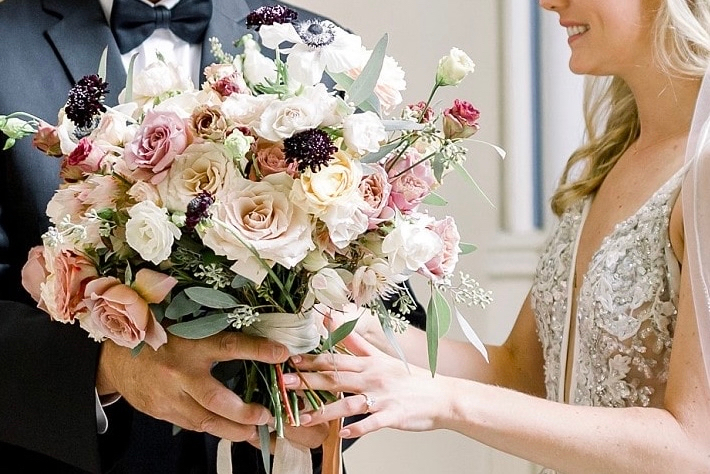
(67,274)
(34,272)
(121,313)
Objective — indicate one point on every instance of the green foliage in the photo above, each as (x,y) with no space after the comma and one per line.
(201,327)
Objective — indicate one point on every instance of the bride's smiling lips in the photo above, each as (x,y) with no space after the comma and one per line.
(575,30)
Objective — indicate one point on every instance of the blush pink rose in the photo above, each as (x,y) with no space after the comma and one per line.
(34,272)
(46,139)
(122,313)
(461,120)
(444,263)
(412,180)
(420,111)
(375,190)
(161,137)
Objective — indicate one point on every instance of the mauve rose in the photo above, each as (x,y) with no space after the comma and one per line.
(46,139)
(444,263)
(161,137)
(209,123)
(461,120)
(412,180)
(34,272)
(67,275)
(270,159)
(122,313)
(375,190)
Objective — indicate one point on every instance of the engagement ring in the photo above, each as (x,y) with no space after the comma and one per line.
(369,403)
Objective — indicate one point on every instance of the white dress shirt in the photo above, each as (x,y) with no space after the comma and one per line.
(164,41)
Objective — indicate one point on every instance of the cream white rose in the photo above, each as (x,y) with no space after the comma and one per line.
(150,232)
(363,132)
(334,183)
(201,167)
(453,68)
(245,110)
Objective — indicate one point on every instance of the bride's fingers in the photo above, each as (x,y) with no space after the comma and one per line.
(347,406)
(329,361)
(360,346)
(332,381)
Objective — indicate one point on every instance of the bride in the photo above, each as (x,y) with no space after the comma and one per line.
(618,315)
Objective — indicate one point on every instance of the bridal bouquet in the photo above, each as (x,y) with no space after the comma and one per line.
(278,188)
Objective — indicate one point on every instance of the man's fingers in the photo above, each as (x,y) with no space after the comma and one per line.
(234,345)
(218,399)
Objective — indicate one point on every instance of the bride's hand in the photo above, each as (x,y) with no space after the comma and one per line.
(401,397)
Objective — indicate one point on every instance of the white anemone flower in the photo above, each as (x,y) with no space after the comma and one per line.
(318,45)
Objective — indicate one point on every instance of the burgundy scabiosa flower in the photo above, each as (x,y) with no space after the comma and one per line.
(198,209)
(268,15)
(310,149)
(86,100)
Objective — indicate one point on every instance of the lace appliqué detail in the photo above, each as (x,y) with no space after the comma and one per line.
(626,309)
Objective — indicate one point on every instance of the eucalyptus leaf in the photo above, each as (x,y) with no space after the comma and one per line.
(471,335)
(408,125)
(362,88)
(434,199)
(265,443)
(240,282)
(339,334)
(392,338)
(381,153)
(102,64)
(211,298)
(158,311)
(438,320)
(201,327)
(467,248)
(129,79)
(181,306)
(437,166)
(463,172)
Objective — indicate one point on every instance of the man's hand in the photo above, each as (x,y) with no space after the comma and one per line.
(174,383)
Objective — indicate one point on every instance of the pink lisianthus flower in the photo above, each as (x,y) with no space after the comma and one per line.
(46,139)
(412,179)
(461,120)
(161,137)
(57,282)
(443,264)
(86,158)
(122,313)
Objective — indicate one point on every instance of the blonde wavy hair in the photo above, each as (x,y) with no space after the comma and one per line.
(682,46)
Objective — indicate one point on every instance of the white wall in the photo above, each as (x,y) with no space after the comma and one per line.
(420,32)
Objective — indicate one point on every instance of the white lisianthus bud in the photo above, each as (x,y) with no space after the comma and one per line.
(238,144)
(298,332)
(329,288)
(453,68)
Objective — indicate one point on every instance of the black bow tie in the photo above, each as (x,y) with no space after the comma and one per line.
(132,21)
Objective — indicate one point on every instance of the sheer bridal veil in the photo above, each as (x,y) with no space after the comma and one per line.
(696,216)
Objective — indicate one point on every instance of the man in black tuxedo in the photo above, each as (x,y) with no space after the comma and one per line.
(49,372)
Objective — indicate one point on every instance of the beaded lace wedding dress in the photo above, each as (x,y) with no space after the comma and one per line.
(617,352)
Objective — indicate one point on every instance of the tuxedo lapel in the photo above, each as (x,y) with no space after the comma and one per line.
(79,39)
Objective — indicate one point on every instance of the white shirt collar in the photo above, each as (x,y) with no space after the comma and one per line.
(107,5)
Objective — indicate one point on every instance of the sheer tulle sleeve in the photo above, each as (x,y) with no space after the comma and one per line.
(696,215)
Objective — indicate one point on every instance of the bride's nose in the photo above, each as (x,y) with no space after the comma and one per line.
(553,5)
